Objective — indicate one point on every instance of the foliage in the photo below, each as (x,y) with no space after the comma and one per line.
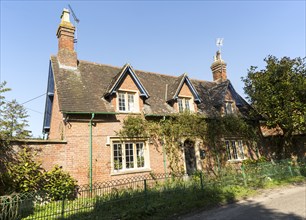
(13,120)
(162,198)
(173,130)
(25,173)
(278,93)
(58,184)
(254,162)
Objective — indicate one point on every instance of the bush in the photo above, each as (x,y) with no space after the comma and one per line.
(58,184)
(24,173)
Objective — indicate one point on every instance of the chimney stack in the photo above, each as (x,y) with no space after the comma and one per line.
(66,55)
(218,68)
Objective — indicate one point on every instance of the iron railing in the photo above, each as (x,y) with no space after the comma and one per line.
(105,200)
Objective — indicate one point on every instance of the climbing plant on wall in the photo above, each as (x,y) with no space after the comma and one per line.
(171,130)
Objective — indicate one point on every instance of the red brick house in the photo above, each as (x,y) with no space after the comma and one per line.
(87,102)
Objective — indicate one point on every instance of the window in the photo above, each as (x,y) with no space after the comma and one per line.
(184,104)
(229,108)
(234,150)
(127,102)
(128,156)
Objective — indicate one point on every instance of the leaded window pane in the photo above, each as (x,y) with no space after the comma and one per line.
(121,101)
(129,155)
(187,106)
(228,108)
(235,155)
(241,149)
(180,105)
(140,154)
(131,102)
(117,156)
(228,150)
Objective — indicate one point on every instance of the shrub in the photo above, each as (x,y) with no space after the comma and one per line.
(58,184)
(25,173)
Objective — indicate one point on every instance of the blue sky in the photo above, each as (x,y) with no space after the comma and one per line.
(169,37)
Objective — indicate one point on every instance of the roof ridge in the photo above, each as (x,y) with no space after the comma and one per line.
(139,70)
(101,64)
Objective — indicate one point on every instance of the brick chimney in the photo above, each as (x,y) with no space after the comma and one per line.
(66,55)
(218,68)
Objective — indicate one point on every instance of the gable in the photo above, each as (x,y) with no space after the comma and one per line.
(185,91)
(128,83)
(184,86)
(127,78)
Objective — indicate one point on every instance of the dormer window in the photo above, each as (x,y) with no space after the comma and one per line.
(229,108)
(185,104)
(127,101)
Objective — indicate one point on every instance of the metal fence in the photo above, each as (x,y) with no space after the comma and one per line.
(105,199)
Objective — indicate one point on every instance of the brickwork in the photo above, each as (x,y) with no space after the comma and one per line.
(56,125)
(185,92)
(66,54)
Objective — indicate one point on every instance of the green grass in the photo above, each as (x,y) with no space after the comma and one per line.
(162,202)
(165,198)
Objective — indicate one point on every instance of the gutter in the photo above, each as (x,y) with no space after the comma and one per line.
(164,152)
(90,151)
(96,113)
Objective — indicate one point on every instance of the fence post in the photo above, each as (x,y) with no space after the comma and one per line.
(201,179)
(63,206)
(145,192)
(244,176)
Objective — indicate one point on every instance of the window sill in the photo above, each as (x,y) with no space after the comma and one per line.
(122,112)
(140,170)
(235,160)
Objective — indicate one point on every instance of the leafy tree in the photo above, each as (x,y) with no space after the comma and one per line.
(3,89)
(13,123)
(13,120)
(278,93)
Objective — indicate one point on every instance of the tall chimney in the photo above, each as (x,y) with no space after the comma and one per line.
(218,68)
(66,55)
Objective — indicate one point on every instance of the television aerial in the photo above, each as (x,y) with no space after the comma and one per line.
(76,21)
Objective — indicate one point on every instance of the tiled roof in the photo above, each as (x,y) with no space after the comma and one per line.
(83,90)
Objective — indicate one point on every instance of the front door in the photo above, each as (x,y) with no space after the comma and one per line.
(190,157)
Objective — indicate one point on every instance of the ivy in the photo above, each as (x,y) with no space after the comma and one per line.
(171,130)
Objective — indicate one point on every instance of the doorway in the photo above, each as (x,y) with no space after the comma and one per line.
(190,157)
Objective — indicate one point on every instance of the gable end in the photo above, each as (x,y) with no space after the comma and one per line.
(127,70)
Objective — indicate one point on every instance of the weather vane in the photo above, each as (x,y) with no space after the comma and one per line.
(219,43)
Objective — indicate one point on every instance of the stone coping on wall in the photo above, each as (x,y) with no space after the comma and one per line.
(38,141)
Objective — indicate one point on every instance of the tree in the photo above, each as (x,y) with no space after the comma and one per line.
(278,93)
(13,120)
(13,123)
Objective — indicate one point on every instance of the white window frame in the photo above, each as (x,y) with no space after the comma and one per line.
(126,166)
(185,103)
(127,94)
(234,150)
(229,107)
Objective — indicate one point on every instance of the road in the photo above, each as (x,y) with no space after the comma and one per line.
(282,203)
